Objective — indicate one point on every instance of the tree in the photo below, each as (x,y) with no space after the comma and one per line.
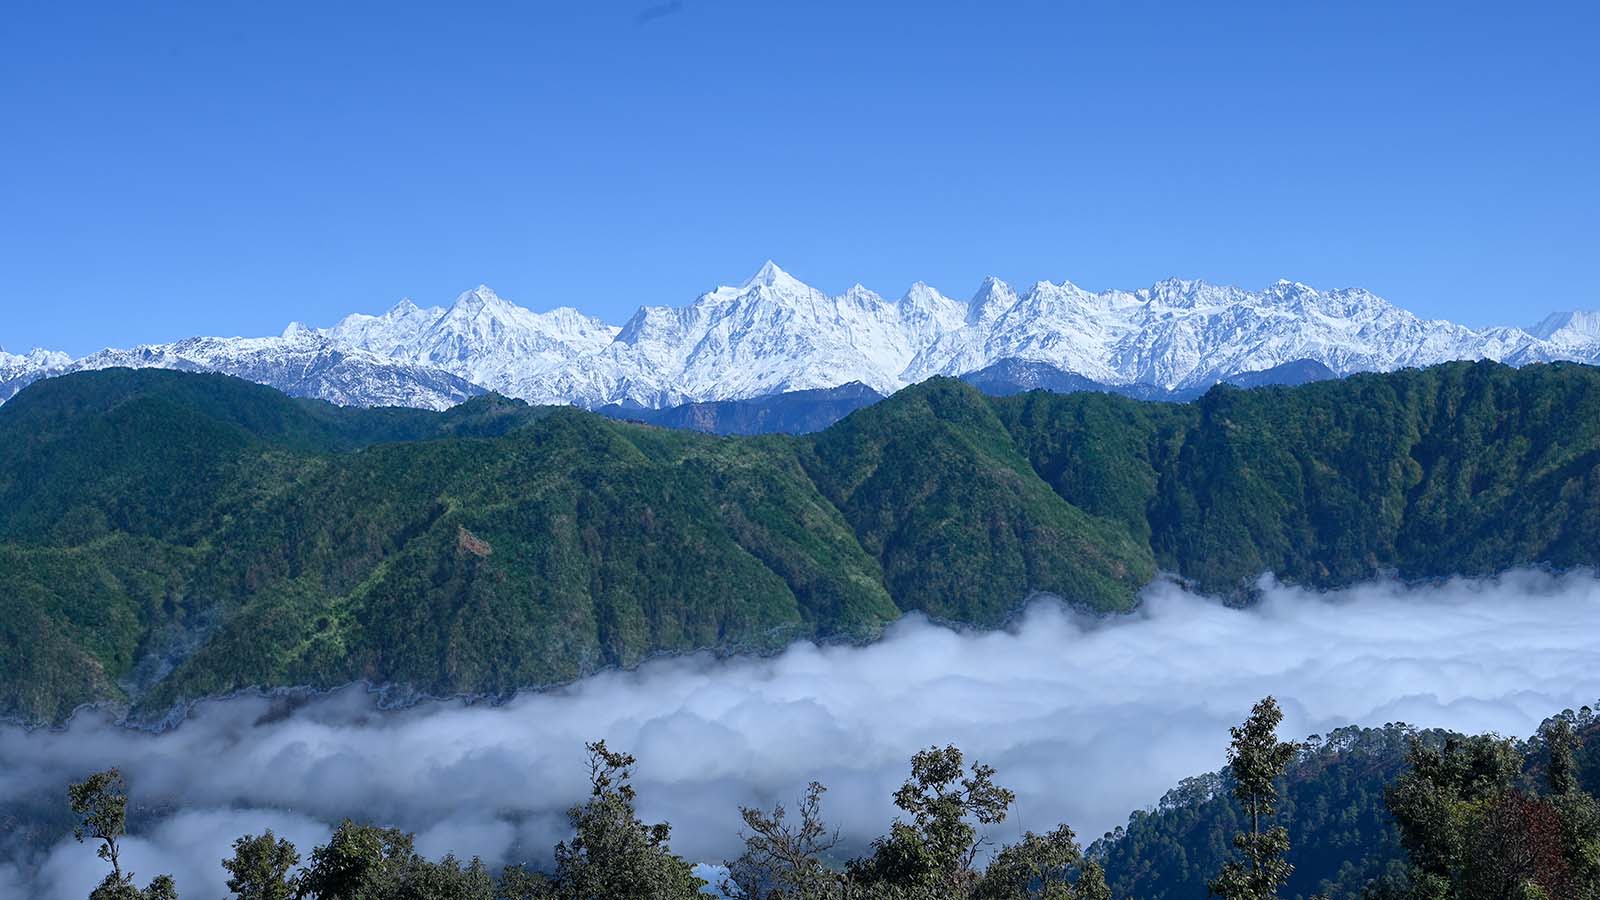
(1562,773)
(1043,867)
(100,803)
(448,879)
(782,860)
(1578,812)
(933,854)
(353,862)
(1515,849)
(1471,831)
(1428,803)
(366,862)
(1580,838)
(517,883)
(260,866)
(1257,759)
(613,855)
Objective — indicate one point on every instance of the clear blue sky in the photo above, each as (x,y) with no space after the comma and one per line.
(227,167)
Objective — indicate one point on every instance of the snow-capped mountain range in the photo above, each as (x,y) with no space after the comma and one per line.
(298,363)
(775,334)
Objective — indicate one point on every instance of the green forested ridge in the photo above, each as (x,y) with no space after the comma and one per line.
(936,490)
(1336,804)
(169,535)
(1332,803)
(1458,469)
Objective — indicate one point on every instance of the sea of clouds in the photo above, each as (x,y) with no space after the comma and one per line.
(1085,718)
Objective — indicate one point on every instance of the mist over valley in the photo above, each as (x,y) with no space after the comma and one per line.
(1087,718)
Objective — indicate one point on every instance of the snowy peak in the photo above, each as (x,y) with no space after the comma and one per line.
(922,300)
(769,275)
(921,295)
(859,295)
(481,337)
(18,370)
(1576,326)
(301,363)
(993,297)
(1184,293)
(37,358)
(577,326)
(383,334)
(774,333)
(478,309)
(649,323)
(479,299)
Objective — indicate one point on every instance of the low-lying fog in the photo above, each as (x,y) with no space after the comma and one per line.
(1085,718)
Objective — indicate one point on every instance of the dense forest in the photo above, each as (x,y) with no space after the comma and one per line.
(1336,799)
(1382,814)
(166,536)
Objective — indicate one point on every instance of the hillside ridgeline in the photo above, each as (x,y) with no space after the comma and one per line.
(166,535)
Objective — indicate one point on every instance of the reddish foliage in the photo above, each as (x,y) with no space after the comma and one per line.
(1519,842)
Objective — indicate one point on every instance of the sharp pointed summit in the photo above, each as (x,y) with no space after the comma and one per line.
(993,297)
(478,298)
(770,275)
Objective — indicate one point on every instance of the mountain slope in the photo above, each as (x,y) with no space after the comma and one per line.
(166,535)
(1016,376)
(1342,835)
(1292,373)
(481,338)
(18,370)
(300,363)
(797,412)
(1457,469)
(935,488)
(1332,803)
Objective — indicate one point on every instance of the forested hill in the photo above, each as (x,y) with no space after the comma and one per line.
(1333,799)
(167,535)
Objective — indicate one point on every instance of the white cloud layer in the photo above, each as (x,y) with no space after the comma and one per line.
(1085,718)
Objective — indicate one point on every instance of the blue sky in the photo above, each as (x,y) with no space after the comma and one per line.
(227,167)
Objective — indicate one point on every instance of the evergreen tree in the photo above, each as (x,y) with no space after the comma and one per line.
(1561,773)
(1257,759)
(613,855)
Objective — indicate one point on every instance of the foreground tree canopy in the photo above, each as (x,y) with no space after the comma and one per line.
(1478,818)
(167,535)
